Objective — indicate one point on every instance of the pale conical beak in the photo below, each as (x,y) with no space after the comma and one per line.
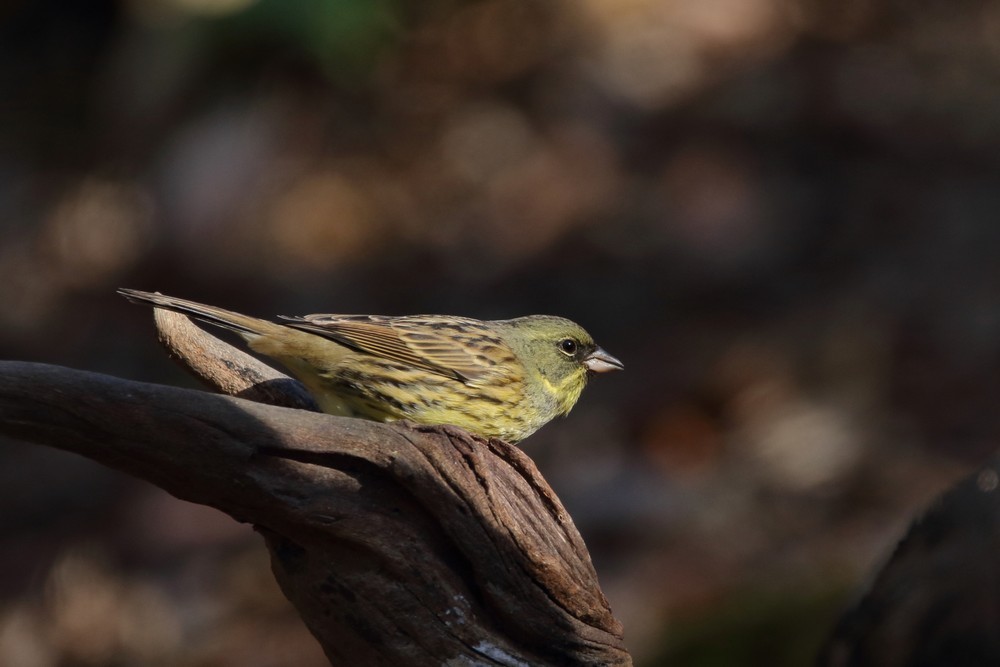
(600,361)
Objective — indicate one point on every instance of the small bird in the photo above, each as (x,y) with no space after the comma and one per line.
(498,379)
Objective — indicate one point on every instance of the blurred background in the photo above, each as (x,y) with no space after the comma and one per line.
(782,215)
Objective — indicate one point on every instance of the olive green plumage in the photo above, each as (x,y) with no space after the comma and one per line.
(502,378)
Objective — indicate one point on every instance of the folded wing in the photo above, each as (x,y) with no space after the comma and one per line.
(458,348)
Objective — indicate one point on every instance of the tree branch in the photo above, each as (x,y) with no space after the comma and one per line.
(399,545)
(225,368)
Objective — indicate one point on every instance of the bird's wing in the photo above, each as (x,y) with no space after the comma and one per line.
(448,346)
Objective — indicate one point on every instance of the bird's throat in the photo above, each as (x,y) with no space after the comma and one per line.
(565,393)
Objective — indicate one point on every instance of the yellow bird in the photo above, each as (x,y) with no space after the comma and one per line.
(498,379)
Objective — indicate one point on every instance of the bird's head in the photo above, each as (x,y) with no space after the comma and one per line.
(559,356)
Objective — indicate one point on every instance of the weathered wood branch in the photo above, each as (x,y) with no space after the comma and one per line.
(225,368)
(399,545)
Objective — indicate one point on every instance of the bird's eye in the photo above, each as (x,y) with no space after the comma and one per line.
(568,346)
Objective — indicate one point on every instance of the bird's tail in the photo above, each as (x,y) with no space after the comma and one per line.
(246,326)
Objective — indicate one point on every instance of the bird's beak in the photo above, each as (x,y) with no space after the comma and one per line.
(600,361)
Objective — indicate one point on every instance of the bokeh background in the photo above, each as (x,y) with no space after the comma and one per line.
(782,215)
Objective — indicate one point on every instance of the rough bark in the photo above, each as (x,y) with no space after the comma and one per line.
(399,545)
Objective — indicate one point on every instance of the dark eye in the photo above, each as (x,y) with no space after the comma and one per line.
(568,346)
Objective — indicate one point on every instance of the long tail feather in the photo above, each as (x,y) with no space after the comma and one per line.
(227,319)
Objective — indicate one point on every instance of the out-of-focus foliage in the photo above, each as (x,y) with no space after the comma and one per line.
(780,214)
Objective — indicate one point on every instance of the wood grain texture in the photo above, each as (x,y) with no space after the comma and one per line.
(399,545)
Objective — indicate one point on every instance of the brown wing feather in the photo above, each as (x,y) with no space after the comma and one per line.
(436,344)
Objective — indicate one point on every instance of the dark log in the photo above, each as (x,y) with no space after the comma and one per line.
(936,602)
(399,545)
